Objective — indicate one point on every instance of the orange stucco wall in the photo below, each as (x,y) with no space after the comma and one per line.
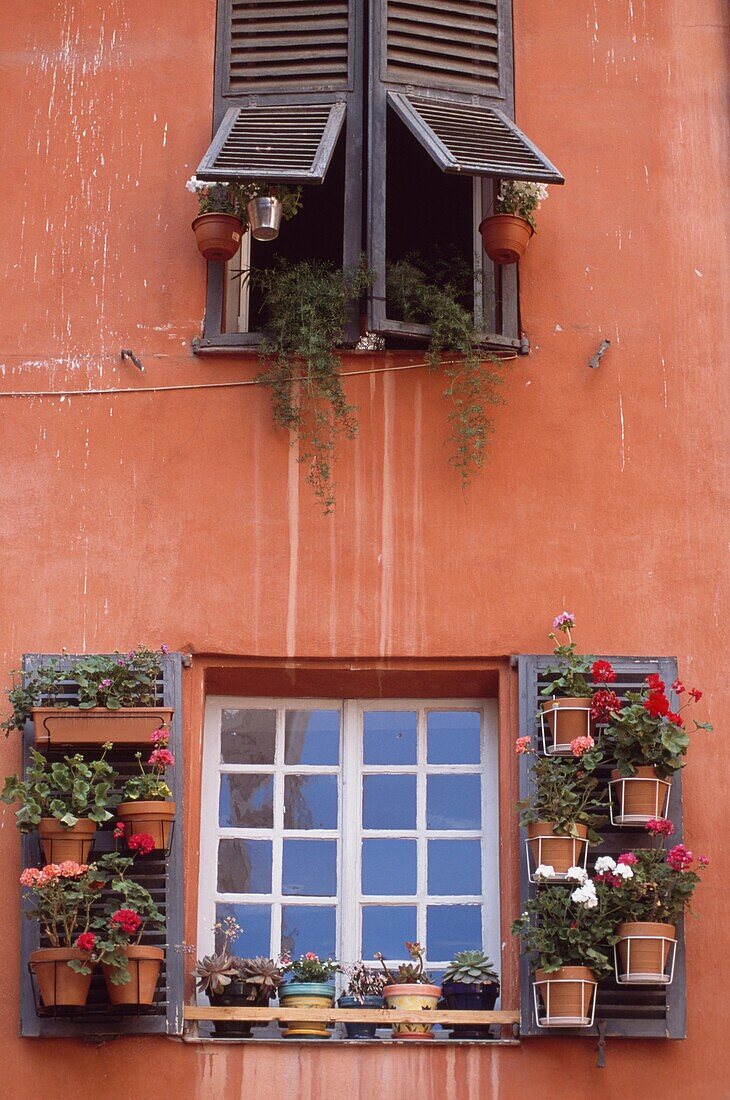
(182,516)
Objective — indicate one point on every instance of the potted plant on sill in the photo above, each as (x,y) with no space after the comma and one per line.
(648,741)
(506,233)
(649,903)
(147,805)
(116,699)
(266,204)
(365,987)
(410,988)
(568,934)
(565,714)
(60,897)
(65,801)
(229,981)
(310,986)
(565,809)
(470,984)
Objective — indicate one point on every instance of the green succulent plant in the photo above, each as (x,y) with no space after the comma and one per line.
(471,968)
(262,975)
(215,972)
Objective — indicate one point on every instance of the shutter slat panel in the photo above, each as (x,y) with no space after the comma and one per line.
(288,44)
(454,44)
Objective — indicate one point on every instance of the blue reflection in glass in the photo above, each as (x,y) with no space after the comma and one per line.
(388,866)
(386,928)
(255,920)
(453,737)
(389,802)
(312,737)
(390,737)
(246,801)
(454,867)
(310,868)
(452,928)
(244,866)
(248,736)
(308,928)
(310,802)
(453,802)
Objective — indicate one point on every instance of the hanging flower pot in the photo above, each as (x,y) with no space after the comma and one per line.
(60,986)
(97,725)
(413,997)
(144,964)
(153,818)
(60,843)
(560,852)
(637,799)
(565,997)
(505,237)
(218,236)
(562,720)
(264,215)
(303,995)
(643,951)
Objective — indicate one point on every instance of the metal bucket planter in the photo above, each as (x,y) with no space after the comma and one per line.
(360,1030)
(545,846)
(561,721)
(644,954)
(565,997)
(264,216)
(636,799)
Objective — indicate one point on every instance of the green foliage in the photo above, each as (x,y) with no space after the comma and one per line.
(471,968)
(408,973)
(521,198)
(66,789)
(566,794)
(60,899)
(558,931)
(122,893)
(149,784)
(232,198)
(637,738)
(309,968)
(364,981)
(570,670)
(307,306)
(657,891)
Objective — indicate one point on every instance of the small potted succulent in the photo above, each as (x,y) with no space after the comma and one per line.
(568,934)
(115,695)
(564,810)
(470,983)
(566,712)
(221,221)
(230,981)
(309,985)
(648,741)
(410,987)
(365,986)
(64,801)
(147,805)
(506,233)
(266,204)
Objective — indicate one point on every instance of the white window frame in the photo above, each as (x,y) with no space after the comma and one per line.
(348,906)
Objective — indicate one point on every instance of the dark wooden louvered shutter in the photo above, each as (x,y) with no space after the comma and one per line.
(648,1011)
(162,877)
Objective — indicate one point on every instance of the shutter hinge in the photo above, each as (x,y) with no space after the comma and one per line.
(601,1063)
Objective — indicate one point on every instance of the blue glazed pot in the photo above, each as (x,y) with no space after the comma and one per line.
(360,1030)
(306,995)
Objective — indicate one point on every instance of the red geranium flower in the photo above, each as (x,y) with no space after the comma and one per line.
(163,758)
(655,682)
(657,704)
(676,717)
(142,843)
(678,858)
(605,703)
(696,694)
(659,826)
(129,921)
(602,672)
(86,941)
(679,687)
(628,858)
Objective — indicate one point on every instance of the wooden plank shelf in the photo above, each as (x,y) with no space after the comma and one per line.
(385,1017)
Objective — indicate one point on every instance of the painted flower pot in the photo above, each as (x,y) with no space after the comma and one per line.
(412,997)
(556,850)
(505,237)
(643,950)
(470,997)
(303,995)
(264,215)
(154,818)
(218,236)
(236,995)
(567,996)
(360,1030)
(564,720)
(60,986)
(97,725)
(59,843)
(637,799)
(144,964)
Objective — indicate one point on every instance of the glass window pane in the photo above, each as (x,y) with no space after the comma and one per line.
(389,737)
(389,802)
(310,802)
(452,928)
(454,867)
(308,928)
(312,737)
(255,922)
(244,866)
(453,802)
(453,737)
(310,868)
(246,801)
(388,866)
(387,928)
(248,736)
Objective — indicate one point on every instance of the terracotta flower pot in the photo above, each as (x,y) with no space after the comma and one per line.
(95,726)
(567,996)
(59,985)
(639,798)
(415,996)
(559,852)
(505,237)
(305,995)
(566,719)
(643,960)
(153,818)
(145,964)
(218,236)
(59,843)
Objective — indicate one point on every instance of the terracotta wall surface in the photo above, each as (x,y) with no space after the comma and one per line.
(182,516)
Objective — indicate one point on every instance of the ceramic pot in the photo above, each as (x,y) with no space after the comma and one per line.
(218,236)
(59,843)
(154,818)
(567,996)
(412,997)
(566,719)
(144,964)
(97,725)
(639,798)
(559,852)
(304,995)
(470,997)
(643,960)
(236,995)
(505,237)
(356,1030)
(60,986)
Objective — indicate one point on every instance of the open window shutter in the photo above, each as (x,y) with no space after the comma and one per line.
(648,1011)
(162,877)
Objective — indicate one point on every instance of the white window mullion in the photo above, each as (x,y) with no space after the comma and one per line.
(277,852)
(421,843)
(350,845)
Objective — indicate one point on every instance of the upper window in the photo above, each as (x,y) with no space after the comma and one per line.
(357,101)
(347,828)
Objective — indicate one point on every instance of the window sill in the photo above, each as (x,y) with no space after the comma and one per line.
(387,1041)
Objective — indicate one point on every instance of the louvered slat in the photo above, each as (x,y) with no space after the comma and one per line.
(288,44)
(453,44)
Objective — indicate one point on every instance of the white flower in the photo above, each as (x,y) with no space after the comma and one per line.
(545,870)
(585,895)
(577,873)
(623,870)
(604,864)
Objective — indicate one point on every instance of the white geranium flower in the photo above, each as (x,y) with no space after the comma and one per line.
(604,864)
(585,895)
(623,870)
(578,874)
(545,870)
